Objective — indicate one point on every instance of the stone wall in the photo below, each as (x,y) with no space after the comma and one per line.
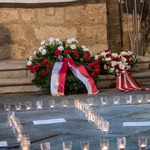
(23,27)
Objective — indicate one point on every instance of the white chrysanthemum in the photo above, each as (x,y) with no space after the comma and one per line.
(40,49)
(112,70)
(43,43)
(29,63)
(122,66)
(124,59)
(57,40)
(51,40)
(124,53)
(114,54)
(113,63)
(107,59)
(44,52)
(91,54)
(73,46)
(61,48)
(69,41)
(30,58)
(60,43)
(130,53)
(51,43)
(34,53)
(117,70)
(95,57)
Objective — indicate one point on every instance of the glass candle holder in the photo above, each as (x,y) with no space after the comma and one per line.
(25,144)
(85,145)
(105,126)
(104,144)
(148,98)
(90,101)
(139,98)
(121,143)
(116,100)
(67,145)
(128,99)
(39,104)
(142,142)
(28,105)
(51,103)
(45,146)
(7,106)
(65,103)
(104,100)
(18,106)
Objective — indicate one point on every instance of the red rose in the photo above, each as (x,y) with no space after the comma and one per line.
(129,62)
(45,62)
(49,67)
(102,57)
(30,67)
(109,63)
(93,74)
(108,55)
(87,52)
(127,56)
(37,65)
(105,63)
(86,57)
(97,70)
(43,73)
(116,59)
(93,64)
(32,70)
(97,61)
(106,51)
(67,51)
(89,66)
(76,53)
(57,52)
(96,66)
(117,66)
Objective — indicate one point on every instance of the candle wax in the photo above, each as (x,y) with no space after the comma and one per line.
(143,145)
(52,106)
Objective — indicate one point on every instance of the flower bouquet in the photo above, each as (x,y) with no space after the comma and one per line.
(42,64)
(114,63)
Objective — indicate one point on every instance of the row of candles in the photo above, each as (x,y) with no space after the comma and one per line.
(104,144)
(39,104)
(92,117)
(23,138)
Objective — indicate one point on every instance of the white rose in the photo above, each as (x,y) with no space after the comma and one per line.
(43,43)
(69,41)
(122,66)
(114,54)
(51,40)
(40,49)
(73,39)
(112,70)
(113,63)
(95,57)
(107,59)
(124,53)
(44,52)
(57,40)
(30,58)
(51,43)
(84,47)
(130,53)
(34,53)
(73,46)
(124,59)
(103,54)
(29,63)
(61,48)
(60,43)
(117,70)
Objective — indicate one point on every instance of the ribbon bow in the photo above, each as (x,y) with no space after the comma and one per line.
(125,82)
(59,74)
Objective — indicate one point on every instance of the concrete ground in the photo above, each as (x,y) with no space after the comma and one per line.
(77,127)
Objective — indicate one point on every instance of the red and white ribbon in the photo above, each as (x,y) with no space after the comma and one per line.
(125,82)
(59,75)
